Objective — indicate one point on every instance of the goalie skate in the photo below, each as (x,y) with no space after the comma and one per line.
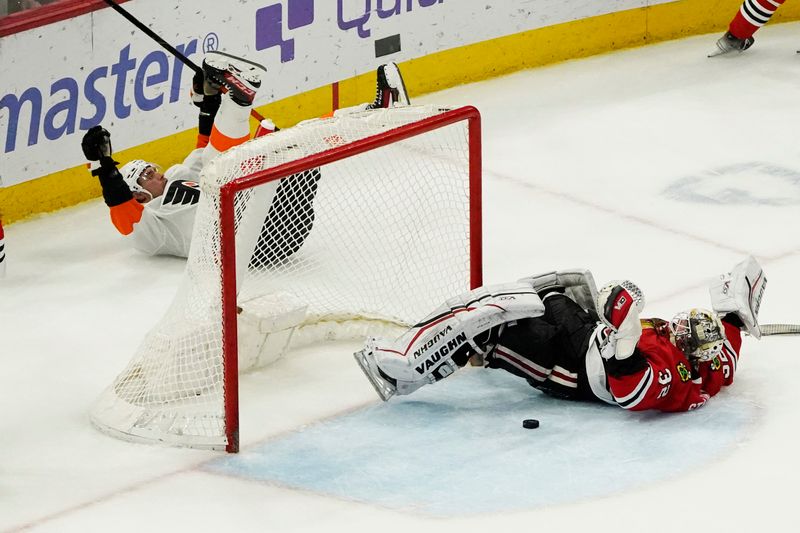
(240,77)
(366,360)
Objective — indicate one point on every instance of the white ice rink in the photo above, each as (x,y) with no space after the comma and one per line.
(654,164)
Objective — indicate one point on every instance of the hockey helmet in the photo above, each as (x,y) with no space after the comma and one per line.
(132,171)
(698,333)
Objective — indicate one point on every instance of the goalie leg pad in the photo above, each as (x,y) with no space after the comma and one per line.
(578,284)
(437,346)
(740,292)
(484,308)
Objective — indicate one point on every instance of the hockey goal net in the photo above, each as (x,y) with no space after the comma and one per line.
(370,218)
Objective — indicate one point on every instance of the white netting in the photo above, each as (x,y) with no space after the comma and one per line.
(376,239)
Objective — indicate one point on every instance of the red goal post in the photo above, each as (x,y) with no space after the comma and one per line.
(227,229)
(415,171)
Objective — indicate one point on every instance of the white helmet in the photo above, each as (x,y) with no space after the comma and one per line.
(132,171)
(698,333)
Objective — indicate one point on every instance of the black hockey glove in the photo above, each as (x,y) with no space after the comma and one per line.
(208,110)
(96,144)
(115,190)
(197,89)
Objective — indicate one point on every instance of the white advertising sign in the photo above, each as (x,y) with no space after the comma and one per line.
(63,78)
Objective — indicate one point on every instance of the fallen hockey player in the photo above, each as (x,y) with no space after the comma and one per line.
(566,338)
(157,209)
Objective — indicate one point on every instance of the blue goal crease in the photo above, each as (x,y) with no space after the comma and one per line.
(459,447)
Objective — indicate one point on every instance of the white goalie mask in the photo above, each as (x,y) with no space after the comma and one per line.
(698,333)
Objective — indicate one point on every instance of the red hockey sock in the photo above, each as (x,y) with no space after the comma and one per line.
(752,15)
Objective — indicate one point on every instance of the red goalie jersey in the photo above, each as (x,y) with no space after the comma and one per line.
(659,376)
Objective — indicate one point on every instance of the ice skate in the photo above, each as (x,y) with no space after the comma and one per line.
(390,90)
(729,43)
(241,77)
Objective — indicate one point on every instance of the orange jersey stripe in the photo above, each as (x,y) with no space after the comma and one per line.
(222,142)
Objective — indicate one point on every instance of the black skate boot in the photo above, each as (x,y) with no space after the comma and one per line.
(390,91)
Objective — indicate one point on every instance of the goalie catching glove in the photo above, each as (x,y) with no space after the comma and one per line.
(619,304)
(442,342)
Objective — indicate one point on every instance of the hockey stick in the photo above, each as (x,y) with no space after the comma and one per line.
(164,44)
(780,329)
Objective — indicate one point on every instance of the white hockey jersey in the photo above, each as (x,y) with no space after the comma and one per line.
(168,221)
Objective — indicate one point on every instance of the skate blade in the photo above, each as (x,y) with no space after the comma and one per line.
(230,58)
(718,51)
(403,98)
(384,389)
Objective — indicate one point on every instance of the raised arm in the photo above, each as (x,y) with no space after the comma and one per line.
(125,211)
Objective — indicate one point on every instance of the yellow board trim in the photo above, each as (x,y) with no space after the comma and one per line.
(431,73)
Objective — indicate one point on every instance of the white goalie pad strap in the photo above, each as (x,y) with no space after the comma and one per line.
(600,347)
(578,283)
(412,358)
(740,291)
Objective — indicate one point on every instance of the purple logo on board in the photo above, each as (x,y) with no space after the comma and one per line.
(269,25)
(350,14)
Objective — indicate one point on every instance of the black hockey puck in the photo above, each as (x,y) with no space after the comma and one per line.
(530,423)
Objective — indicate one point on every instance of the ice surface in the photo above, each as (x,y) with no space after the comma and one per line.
(459,448)
(654,164)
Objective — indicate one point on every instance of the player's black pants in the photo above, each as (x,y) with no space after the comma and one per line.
(549,351)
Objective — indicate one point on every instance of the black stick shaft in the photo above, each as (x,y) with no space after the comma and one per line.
(150,33)
(171,49)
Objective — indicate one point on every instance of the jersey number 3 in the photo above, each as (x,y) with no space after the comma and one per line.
(664,378)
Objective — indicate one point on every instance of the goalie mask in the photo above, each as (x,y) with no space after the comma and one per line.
(698,333)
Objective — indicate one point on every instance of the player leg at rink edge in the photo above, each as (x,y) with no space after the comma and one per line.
(751,16)
(567,339)
(2,251)
(158,209)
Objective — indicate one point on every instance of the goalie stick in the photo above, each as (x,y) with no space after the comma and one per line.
(780,329)
(164,44)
